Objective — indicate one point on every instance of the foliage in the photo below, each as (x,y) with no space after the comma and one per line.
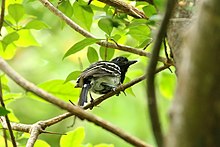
(35,41)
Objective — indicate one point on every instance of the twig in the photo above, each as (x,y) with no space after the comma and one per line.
(85,33)
(6,117)
(120,88)
(69,107)
(124,7)
(2,15)
(151,96)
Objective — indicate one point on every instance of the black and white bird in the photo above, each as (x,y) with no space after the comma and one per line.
(102,77)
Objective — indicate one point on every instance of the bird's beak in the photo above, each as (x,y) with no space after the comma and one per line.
(131,62)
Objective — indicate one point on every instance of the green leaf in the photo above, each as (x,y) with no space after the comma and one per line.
(9,52)
(106,53)
(83,14)
(73,138)
(106,25)
(26,39)
(16,11)
(65,91)
(3,111)
(80,45)
(41,143)
(66,8)
(8,39)
(72,76)
(140,33)
(149,10)
(36,24)
(92,55)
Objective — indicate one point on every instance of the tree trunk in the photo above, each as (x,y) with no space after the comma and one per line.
(195,115)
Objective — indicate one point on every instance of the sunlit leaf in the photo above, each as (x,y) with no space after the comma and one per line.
(73,138)
(106,53)
(72,76)
(92,55)
(9,38)
(16,11)
(3,111)
(41,143)
(80,45)
(36,24)
(26,39)
(65,91)
(9,52)
(83,14)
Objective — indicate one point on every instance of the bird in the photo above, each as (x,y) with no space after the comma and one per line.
(102,77)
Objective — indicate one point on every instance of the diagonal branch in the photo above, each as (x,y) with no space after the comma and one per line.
(151,96)
(125,7)
(67,106)
(107,44)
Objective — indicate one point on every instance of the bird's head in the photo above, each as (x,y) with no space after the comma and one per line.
(124,64)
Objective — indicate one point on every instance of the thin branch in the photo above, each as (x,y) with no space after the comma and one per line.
(125,7)
(85,33)
(67,106)
(151,96)
(6,117)
(123,87)
(2,15)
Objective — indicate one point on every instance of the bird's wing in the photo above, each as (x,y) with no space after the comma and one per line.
(99,69)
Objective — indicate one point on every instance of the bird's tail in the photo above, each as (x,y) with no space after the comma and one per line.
(83,94)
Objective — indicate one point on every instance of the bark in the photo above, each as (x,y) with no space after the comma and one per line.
(179,23)
(195,115)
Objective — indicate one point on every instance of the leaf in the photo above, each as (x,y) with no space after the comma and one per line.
(80,45)
(149,10)
(83,14)
(66,8)
(106,25)
(3,111)
(36,24)
(140,32)
(16,11)
(92,55)
(9,38)
(9,52)
(73,138)
(65,91)
(26,39)
(41,143)
(106,53)
(72,76)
